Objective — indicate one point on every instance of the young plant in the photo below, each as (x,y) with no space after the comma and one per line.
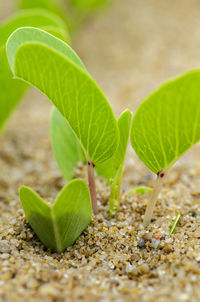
(68,152)
(58,226)
(53,67)
(112,169)
(165,126)
(9,98)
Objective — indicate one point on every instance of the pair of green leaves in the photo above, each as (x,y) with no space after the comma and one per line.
(9,98)
(59,225)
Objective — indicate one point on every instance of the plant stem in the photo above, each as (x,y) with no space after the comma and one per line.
(114,193)
(92,187)
(152,202)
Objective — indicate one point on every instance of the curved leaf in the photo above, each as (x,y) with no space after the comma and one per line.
(167,123)
(54,68)
(13,90)
(58,226)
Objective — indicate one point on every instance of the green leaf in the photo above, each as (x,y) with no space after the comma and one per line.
(112,169)
(89,4)
(58,226)
(109,168)
(66,148)
(140,190)
(68,151)
(48,5)
(13,90)
(167,123)
(34,17)
(54,68)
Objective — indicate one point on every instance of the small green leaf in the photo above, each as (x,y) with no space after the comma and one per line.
(9,98)
(167,123)
(13,90)
(174,224)
(58,226)
(140,190)
(109,168)
(54,68)
(66,148)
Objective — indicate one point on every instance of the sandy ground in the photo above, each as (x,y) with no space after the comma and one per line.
(130,49)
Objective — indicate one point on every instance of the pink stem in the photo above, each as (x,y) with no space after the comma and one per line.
(92,187)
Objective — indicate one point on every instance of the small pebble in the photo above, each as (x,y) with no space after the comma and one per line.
(141,243)
(4,247)
(193,213)
(155,243)
(157,236)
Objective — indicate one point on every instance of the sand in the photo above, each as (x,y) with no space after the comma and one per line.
(130,49)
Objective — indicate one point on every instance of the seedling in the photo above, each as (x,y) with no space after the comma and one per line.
(165,126)
(112,169)
(68,152)
(174,224)
(9,98)
(58,226)
(50,65)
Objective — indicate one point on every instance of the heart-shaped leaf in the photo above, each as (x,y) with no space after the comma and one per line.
(166,125)
(54,68)
(13,90)
(58,226)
